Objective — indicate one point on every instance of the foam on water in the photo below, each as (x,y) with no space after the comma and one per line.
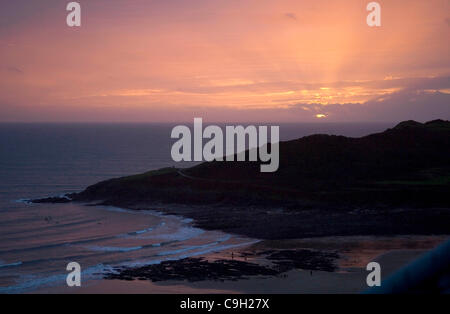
(10,265)
(182,234)
(113,249)
(141,246)
(30,282)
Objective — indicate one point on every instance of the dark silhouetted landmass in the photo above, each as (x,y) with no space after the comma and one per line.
(406,165)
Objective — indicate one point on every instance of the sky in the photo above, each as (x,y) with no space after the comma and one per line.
(224,61)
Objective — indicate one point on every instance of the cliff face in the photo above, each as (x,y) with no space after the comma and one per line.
(406,165)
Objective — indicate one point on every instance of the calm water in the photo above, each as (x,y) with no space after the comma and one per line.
(39,160)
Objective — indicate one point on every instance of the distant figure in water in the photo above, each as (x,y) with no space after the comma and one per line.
(310,272)
(232,255)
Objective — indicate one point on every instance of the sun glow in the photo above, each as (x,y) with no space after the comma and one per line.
(229,56)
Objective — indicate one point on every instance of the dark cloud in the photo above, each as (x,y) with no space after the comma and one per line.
(407,104)
(13,69)
(291,16)
(410,105)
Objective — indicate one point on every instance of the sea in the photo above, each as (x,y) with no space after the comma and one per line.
(38,241)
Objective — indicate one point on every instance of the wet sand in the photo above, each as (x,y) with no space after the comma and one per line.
(349,277)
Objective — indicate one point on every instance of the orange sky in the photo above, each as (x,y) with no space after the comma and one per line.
(271,60)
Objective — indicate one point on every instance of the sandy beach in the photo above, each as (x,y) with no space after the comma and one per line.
(354,253)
